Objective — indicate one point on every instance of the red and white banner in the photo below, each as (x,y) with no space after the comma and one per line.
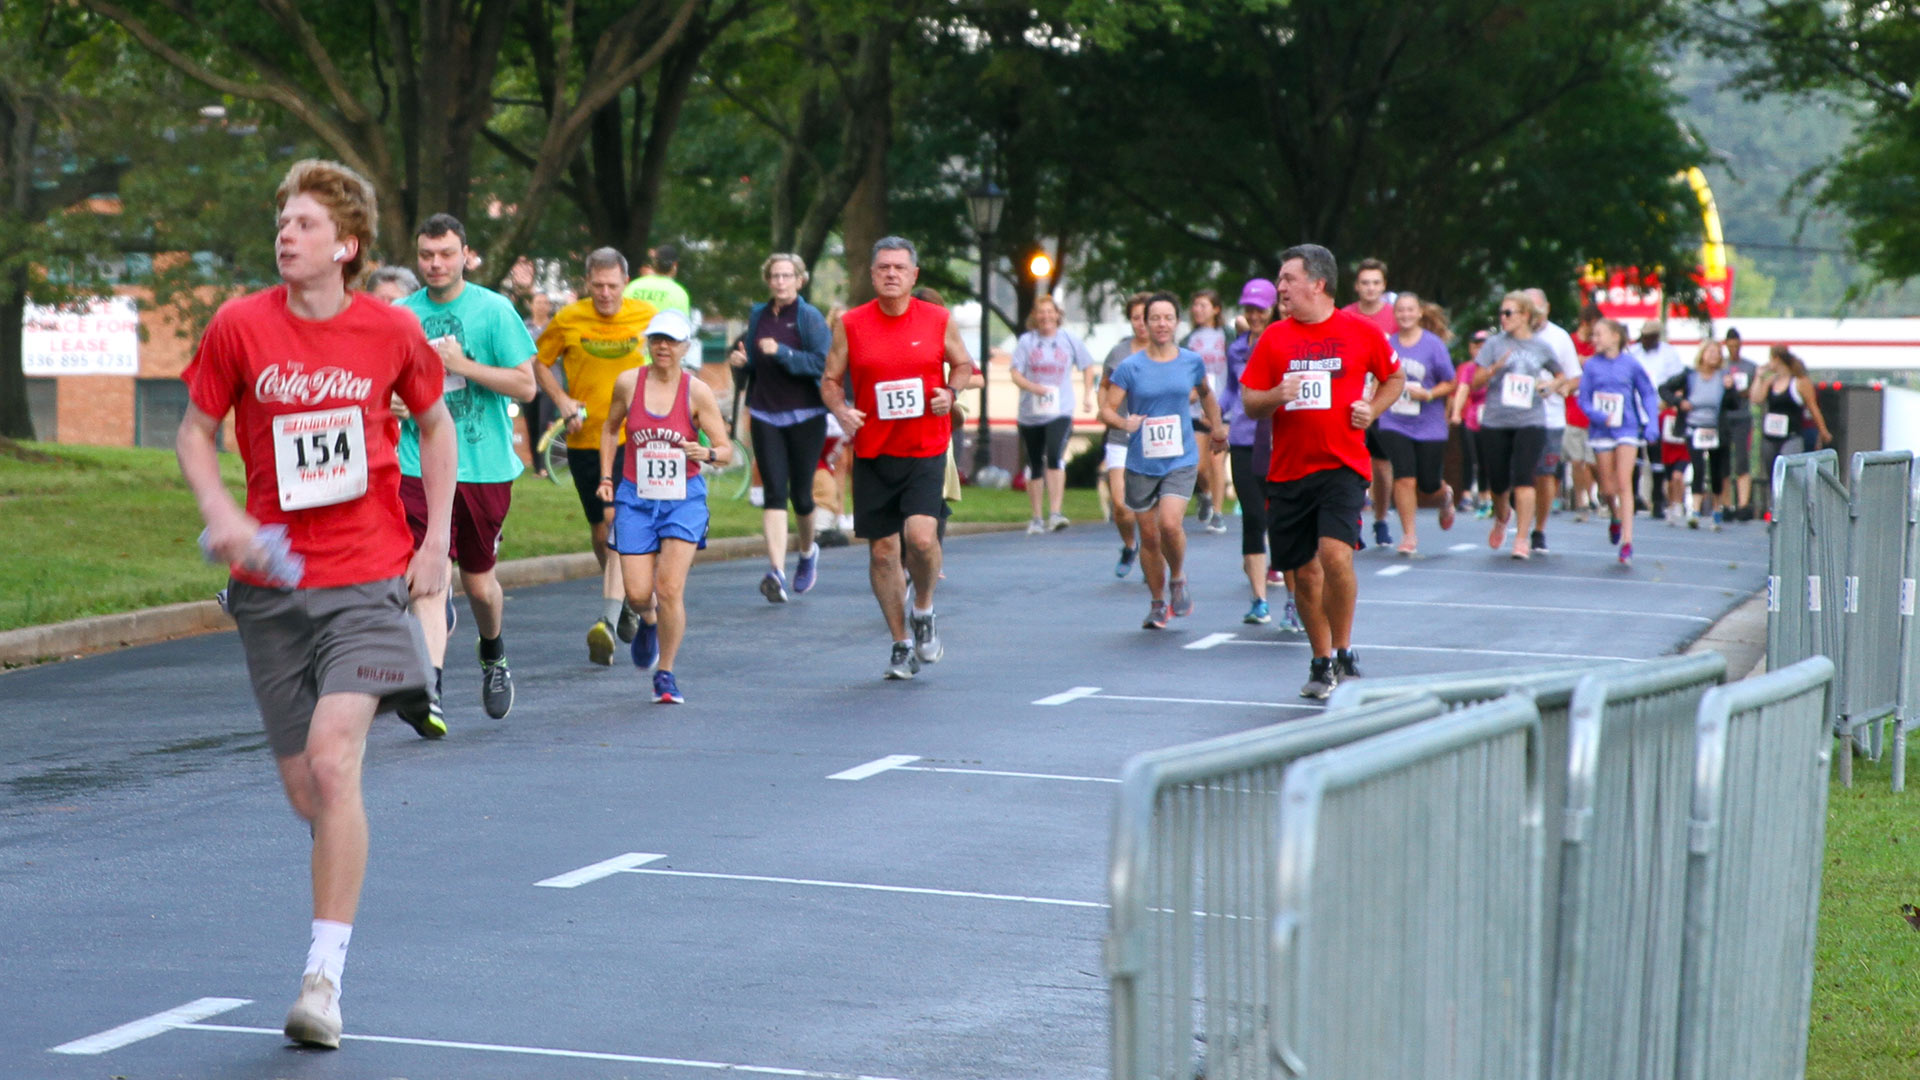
(1628,294)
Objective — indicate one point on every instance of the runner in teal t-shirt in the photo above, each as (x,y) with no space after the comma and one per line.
(489,358)
(490,332)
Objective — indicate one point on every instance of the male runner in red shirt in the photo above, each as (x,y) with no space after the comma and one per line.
(309,369)
(1309,372)
(891,376)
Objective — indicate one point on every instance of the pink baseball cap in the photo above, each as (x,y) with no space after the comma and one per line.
(1259,293)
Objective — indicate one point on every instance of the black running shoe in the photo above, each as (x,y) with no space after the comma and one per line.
(1321,679)
(1346,665)
(496,687)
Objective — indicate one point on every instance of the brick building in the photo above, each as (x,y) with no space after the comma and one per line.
(120,410)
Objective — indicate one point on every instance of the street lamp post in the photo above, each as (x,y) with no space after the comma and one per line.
(984,204)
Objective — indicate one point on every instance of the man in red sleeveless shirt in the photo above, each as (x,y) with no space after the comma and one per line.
(1309,372)
(309,370)
(890,380)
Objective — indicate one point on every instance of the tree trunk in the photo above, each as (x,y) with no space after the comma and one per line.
(16,421)
(866,213)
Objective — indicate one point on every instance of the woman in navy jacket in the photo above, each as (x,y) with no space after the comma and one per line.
(783,354)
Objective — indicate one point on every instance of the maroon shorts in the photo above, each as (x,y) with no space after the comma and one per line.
(478,512)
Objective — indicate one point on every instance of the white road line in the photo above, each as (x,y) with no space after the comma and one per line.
(1609,580)
(1209,641)
(1074,694)
(1548,610)
(866,887)
(1209,701)
(603,868)
(1463,547)
(1018,775)
(544,1051)
(1444,649)
(903,763)
(1393,571)
(874,767)
(146,1028)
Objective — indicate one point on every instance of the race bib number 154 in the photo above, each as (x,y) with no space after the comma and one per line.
(320,458)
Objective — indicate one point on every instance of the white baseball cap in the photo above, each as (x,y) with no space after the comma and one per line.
(671,324)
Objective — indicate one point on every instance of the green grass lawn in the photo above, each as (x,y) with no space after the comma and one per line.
(95,530)
(1866,994)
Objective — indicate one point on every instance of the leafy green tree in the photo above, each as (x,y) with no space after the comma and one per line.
(1866,53)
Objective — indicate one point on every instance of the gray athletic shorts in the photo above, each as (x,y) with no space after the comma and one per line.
(307,643)
(1575,447)
(1143,490)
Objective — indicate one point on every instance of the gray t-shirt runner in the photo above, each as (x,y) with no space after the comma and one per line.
(1515,398)
(1120,351)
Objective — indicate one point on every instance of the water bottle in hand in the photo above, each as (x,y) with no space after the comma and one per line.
(272,556)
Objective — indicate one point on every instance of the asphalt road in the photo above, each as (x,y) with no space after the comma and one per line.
(721,898)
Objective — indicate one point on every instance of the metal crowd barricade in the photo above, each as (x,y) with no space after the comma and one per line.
(1615,976)
(1190,879)
(1753,875)
(1808,559)
(1908,694)
(1406,940)
(1876,559)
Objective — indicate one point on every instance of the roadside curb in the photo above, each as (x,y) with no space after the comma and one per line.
(33,645)
(1740,636)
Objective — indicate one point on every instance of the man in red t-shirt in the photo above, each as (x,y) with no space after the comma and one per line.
(309,369)
(1309,372)
(891,376)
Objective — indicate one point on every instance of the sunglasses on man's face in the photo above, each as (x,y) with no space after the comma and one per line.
(1506,311)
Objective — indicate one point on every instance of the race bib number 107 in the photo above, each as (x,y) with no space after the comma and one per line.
(320,458)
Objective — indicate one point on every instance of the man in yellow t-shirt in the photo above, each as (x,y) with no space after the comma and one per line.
(594,341)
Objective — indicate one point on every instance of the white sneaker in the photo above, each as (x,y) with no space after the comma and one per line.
(1036,527)
(315,1016)
(757,496)
(846,523)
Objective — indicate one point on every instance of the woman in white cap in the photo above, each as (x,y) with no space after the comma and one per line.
(660,504)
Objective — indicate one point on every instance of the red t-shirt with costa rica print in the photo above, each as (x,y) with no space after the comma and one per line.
(294,387)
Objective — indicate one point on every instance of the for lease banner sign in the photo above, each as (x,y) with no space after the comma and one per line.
(97,337)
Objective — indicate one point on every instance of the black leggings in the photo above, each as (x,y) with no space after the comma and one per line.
(1473,477)
(1510,453)
(1712,461)
(788,457)
(1046,444)
(1250,484)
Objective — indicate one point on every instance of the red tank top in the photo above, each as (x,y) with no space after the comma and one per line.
(645,429)
(894,364)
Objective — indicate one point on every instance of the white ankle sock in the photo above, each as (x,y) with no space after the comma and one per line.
(328,952)
(918,610)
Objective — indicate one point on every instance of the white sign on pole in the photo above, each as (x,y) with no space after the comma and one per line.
(99,337)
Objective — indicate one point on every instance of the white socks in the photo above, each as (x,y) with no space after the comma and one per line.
(610,606)
(328,953)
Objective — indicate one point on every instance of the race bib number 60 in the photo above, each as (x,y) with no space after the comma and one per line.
(320,458)
(900,399)
(662,473)
(1316,391)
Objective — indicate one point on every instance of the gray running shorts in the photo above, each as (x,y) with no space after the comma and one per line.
(1144,491)
(307,643)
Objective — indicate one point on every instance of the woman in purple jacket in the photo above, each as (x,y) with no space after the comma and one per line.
(1249,446)
(1624,413)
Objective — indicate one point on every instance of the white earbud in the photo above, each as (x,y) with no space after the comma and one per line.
(341,255)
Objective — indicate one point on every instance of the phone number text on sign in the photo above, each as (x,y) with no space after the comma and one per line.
(101,337)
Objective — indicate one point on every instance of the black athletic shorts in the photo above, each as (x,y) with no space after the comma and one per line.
(1320,505)
(889,490)
(1374,450)
(585,467)
(1416,460)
